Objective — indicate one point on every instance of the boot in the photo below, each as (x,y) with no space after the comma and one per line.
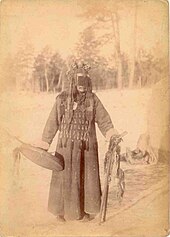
(60,218)
(87,217)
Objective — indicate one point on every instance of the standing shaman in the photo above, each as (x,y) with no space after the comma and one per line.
(75,192)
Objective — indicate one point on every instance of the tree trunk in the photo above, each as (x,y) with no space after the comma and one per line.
(119,75)
(52,83)
(139,81)
(46,79)
(132,72)
(133,59)
(41,83)
(60,81)
(116,36)
(119,79)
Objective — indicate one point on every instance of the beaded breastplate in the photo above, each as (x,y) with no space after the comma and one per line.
(77,126)
(77,129)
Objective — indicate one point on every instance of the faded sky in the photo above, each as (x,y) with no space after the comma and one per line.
(55,23)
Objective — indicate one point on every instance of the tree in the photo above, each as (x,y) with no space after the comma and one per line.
(23,63)
(42,68)
(47,54)
(56,69)
(48,70)
(39,73)
(88,51)
(106,15)
(133,57)
(150,68)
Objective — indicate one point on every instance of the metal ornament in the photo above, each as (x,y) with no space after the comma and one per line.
(74,105)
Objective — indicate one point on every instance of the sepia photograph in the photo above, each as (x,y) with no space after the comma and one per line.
(84,122)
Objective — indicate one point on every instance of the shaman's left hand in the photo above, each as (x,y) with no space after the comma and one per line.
(111,133)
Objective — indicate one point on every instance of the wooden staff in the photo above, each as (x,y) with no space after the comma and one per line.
(111,157)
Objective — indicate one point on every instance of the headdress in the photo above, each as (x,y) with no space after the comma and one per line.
(78,74)
(72,75)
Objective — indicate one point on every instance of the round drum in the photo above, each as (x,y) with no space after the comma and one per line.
(42,157)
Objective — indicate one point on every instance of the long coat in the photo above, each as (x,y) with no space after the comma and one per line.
(76,189)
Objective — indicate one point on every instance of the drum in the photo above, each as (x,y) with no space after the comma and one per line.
(42,158)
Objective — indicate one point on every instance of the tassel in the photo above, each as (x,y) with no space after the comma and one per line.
(89,129)
(65,142)
(60,143)
(83,145)
(80,145)
(72,145)
(87,144)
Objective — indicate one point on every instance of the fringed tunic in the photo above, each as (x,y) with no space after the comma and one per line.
(76,189)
